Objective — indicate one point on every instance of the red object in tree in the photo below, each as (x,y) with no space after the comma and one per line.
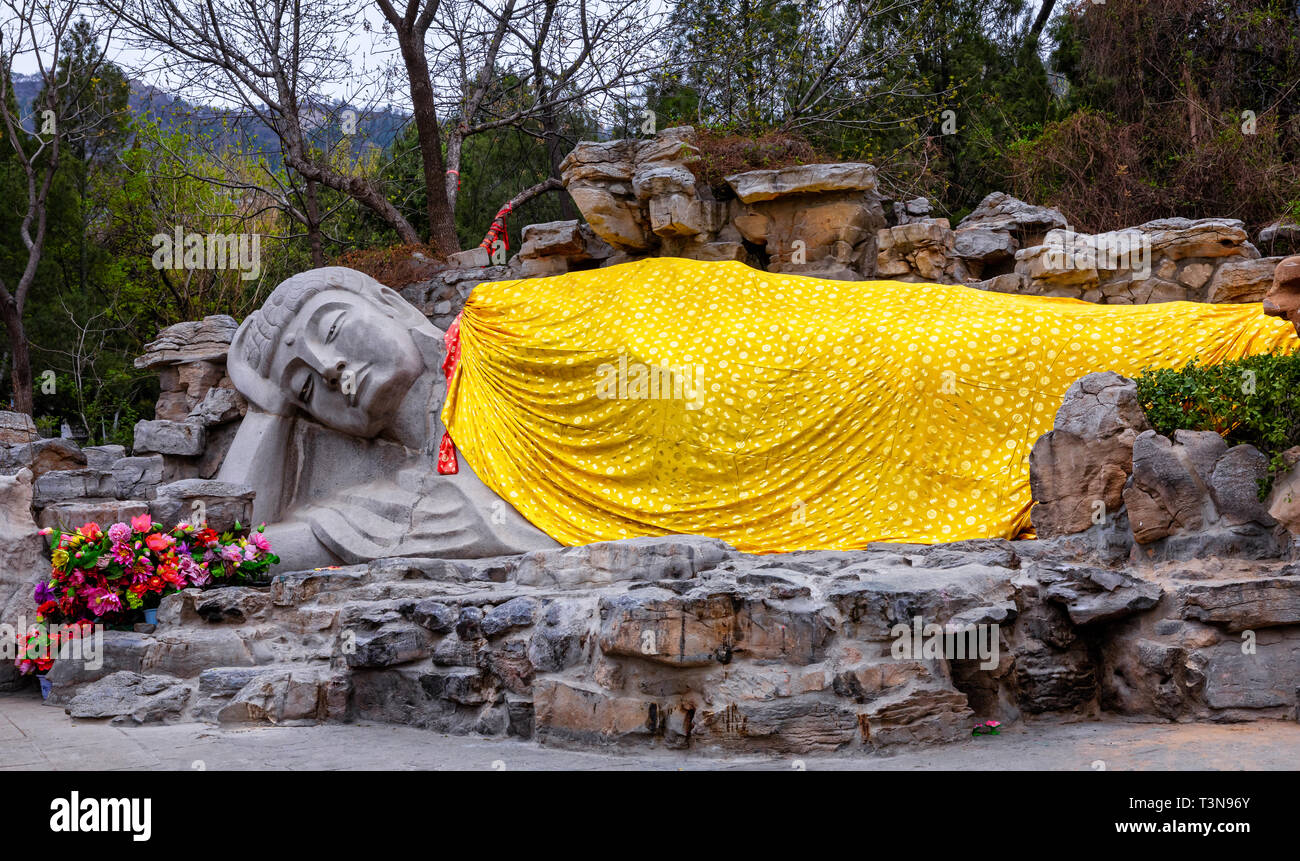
(498,230)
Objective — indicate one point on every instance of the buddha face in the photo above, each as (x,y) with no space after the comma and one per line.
(347,360)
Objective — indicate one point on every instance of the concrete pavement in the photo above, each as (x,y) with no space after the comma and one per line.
(38,737)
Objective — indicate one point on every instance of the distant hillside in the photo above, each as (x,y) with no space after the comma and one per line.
(376,128)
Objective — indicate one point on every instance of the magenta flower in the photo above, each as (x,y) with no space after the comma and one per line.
(260,541)
(232,553)
(101,601)
(195,573)
(119,533)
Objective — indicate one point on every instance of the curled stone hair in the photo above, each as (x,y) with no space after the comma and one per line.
(261,331)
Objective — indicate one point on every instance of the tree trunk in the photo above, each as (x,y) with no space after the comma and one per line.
(20,350)
(313,226)
(555,154)
(442,221)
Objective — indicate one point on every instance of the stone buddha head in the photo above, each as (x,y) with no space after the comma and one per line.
(337,345)
(1283,300)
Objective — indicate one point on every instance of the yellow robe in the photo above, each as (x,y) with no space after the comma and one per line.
(828,414)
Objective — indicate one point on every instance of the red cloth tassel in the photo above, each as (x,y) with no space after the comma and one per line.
(447,464)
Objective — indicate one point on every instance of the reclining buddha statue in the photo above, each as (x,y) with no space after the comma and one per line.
(668,396)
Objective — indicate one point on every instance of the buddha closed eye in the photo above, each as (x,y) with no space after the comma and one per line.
(344,360)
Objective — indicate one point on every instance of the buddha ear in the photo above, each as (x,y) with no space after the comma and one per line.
(398,308)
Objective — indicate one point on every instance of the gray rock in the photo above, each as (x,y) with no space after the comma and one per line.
(71,514)
(1243,604)
(1242,280)
(205,340)
(559,638)
(42,456)
(1165,494)
(16,428)
(655,558)
(138,477)
(218,406)
(165,437)
(1000,211)
(102,457)
(393,643)
(131,697)
(224,504)
(65,484)
(1092,595)
(434,615)
(757,185)
(984,244)
(515,613)
(1234,485)
(1086,458)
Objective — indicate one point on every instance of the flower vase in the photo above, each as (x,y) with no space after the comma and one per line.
(46,685)
(151,616)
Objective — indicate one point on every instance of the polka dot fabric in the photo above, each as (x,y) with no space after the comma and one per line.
(802,413)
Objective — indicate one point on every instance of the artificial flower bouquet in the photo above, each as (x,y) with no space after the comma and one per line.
(107,576)
(38,647)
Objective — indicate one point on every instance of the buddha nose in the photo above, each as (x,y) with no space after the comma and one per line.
(333,373)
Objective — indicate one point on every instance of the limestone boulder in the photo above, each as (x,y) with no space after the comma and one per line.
(758,185)
(1242,280)
(69,484)
(1077,471)
(916,251)
(22,563)
(221,504)
(205,340)
(218,406)
(1178,238)
(1240,604)
(167,437)
(42,456)
(1197,489)
(637,559)
(16,428)
(73,513)
(1002,212)
(138,477)
(131,698)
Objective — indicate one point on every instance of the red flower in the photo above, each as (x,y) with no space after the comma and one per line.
(91,531)
(158,542)
(47,608)
(207,537)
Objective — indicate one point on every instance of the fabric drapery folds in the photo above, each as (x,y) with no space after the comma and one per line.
(779,412)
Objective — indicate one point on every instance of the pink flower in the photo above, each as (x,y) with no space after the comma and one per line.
(141,523)
(101,601)
(260,541)
(232,553)
(194,572)
(119,533)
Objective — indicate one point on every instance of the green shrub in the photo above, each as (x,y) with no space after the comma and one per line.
(1255,400)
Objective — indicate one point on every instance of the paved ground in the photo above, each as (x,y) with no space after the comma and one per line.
(33,736)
